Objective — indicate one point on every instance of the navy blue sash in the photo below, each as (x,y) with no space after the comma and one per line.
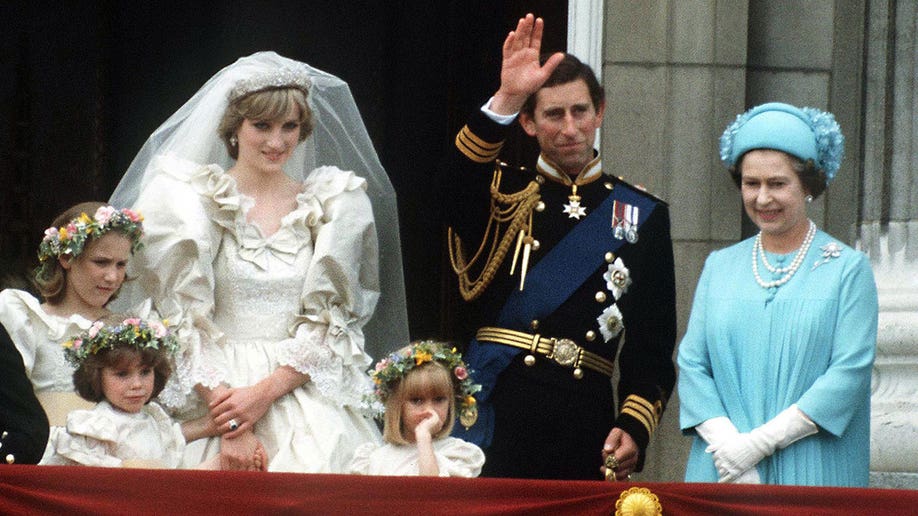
(548,285)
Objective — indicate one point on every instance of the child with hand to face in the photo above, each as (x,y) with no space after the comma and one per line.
(421,387)
(121,364)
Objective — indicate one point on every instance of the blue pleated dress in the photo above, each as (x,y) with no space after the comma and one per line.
(751,352)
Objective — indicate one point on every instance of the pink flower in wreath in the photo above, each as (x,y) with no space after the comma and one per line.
(94,329)
(461,373)
(104,214)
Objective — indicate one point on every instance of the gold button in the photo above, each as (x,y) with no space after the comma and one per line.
(590,336)
(534,324)
(529,360)
(600,297)
(10,459)
(540,180)
(607,185)
(536,245)
(610,257)
(540,206)
(578,373)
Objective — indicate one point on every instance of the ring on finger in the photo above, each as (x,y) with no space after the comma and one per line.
(233,424)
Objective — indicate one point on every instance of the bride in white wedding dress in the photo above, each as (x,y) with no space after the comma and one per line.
(266,257)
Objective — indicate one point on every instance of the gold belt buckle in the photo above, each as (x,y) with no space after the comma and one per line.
(565,352)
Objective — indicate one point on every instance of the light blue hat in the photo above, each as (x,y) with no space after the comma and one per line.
(806,133)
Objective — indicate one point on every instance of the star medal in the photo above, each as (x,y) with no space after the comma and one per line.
(573,208)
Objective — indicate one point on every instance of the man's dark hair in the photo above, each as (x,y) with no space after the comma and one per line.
(569,70)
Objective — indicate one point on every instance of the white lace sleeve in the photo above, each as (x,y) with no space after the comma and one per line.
(175,268)
(340,291)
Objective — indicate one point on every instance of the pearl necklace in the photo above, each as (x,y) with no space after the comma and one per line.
(758,250)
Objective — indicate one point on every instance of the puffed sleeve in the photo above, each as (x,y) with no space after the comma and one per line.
(340,290)
(90,439)
(175,266)
(15,307)
(458,458)
(360,463)
(853,349)
(698,394)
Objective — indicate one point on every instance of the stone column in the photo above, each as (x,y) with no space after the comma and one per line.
(889,234)
(674,74)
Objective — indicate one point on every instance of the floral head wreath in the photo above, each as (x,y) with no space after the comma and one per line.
(391,370)
(284,77)
(806,133)
(132,332)
(70,240)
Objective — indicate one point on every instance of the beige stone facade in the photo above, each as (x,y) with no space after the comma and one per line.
(676,72)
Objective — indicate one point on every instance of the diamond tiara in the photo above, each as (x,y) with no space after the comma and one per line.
(278,78)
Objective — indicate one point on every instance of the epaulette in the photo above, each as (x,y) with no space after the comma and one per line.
(639,189)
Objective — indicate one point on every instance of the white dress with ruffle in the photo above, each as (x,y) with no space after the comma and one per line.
(244,304)
(455,458)
(106,436)
(38,336)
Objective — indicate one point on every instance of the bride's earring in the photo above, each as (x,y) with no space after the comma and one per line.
(234,141)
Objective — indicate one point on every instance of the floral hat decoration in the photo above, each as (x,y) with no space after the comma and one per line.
(70,240)
(132,332)
(806,133)
(391,370)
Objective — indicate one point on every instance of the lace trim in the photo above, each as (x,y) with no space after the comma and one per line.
(340,379)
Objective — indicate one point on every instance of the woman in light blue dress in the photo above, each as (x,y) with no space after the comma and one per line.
(775,365)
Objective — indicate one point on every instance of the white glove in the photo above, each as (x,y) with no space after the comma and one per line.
(741,453)
(719,430)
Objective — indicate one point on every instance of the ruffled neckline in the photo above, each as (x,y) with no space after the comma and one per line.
(230,212)
(229,207)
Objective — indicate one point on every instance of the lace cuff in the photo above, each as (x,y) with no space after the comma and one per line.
(196,363)
(314,351)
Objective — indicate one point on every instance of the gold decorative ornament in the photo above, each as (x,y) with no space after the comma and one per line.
(600,297)
(610,257)
(529,360)
(10,459)
(611,464)
(540,206)
(534,324)
(510,222)
(590,336)
(638,501)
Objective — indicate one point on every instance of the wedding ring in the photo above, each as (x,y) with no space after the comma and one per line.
(233,424)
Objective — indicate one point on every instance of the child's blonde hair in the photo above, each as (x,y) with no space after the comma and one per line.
(430,378)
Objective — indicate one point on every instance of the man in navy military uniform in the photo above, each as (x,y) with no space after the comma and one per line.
(23,423)
(566,270)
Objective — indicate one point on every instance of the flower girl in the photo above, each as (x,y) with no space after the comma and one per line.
(420,387)
(122,365)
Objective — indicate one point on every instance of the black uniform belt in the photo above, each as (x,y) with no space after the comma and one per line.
(564,352)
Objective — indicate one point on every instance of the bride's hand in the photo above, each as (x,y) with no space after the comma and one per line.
(237,409)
